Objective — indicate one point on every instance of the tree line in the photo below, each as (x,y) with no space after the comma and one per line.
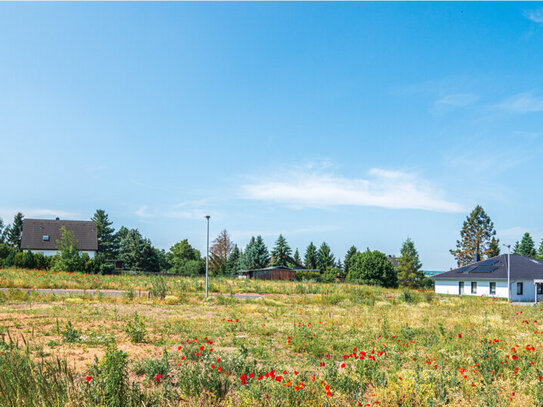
(226,259)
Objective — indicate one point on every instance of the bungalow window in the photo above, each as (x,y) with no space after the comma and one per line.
(540,288)
(519,288)
(474,287)
(492,288)
(461,287)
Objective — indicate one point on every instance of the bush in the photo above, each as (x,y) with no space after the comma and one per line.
(153,367)
(70,334)
(28,260)
(159,287)
(10,259)
(307,275)
(330,274)
(372,268)
(5,250)
(41,262)
(18,259)
(135,329)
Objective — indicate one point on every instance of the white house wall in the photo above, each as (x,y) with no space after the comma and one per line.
(483,289)
(91,253)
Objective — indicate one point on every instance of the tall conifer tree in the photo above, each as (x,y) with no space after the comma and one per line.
(281,252)
(527,246)
(310,259)
(409,266)
(475,237)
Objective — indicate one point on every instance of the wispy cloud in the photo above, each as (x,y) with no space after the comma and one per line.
(522,103)
(301,188)
(510,235)
(7,214)
(457,100)
(535,15)
(143,212)
(246,234)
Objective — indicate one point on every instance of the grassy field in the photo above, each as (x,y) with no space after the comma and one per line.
(299,345)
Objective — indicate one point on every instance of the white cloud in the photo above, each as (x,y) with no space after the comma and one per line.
(384,188)
(143,212)
(522,103)
(457,100)
(535,15)
(511,235)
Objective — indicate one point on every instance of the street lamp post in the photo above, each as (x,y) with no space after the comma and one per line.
(508,271)
(207,258)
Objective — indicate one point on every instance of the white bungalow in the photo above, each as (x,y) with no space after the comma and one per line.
(489,278)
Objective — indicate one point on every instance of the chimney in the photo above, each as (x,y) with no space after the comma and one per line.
(57,218)
(476,257)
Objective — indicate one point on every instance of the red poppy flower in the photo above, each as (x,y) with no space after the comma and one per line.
(89,378)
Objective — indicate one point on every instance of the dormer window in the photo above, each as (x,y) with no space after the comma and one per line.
(45,238)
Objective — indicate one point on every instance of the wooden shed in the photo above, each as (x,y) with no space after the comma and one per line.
(270,273)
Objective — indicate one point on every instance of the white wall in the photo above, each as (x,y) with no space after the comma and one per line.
(483,288)
(91,253)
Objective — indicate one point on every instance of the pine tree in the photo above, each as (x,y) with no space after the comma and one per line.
(107,241)
(527,246)
(256,255)
(516,247)
(233,264)
(409,265)
(540,251)
(476,235)
(297,258)
(281,252)
(15,231)
(310,259)
(2,231)
(350,253)
(494,248)
(325,258)
(137,253)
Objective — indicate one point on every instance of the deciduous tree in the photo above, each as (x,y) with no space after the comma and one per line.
(219,253)
(475,237)
(180,254)
(372,268)
(67,257)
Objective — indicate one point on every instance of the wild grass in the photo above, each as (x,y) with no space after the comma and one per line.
(300,345)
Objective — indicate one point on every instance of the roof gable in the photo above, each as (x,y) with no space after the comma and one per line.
(34,231)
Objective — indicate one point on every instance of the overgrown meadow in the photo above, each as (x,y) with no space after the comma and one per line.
(162,343)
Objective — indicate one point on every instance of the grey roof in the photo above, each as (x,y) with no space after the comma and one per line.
(495,268)
(35,229)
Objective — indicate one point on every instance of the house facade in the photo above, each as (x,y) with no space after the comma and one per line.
(489,278)
(41,235)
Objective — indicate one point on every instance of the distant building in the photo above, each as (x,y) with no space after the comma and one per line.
(41,235)
(270,273)
(489,278)
(393,260)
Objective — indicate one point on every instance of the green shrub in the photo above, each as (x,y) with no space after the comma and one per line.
(159,287)
(135,329)
(70,334)
(153,367)
(28,260)
(307,275)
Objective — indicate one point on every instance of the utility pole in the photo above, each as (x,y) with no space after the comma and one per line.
(508,271)
(207,258)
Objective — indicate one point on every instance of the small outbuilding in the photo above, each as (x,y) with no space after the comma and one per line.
(270,273)
(489,278)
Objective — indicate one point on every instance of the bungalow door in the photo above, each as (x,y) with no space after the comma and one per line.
(460,288)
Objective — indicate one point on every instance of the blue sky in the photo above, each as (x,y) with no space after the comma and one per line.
(350,123)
